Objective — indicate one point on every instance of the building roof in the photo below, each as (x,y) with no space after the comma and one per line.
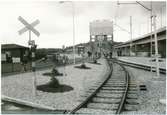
(141,37)
(12,46)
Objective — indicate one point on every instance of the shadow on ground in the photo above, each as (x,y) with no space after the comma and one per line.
(95,63)
(60,88)
(79,67)
(82,66)
(52,74)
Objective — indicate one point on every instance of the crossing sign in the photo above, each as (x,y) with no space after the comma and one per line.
(28,26)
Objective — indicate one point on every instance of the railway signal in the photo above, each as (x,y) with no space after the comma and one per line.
(30,28)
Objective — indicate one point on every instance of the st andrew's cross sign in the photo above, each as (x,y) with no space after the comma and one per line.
(28,26)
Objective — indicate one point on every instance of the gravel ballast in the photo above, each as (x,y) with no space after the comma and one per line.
(20,86)
(149,99)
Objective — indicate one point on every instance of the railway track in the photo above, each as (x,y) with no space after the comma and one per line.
(110,95)
(144,67)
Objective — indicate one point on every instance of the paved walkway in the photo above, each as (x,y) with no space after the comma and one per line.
(144,61)
(77,80)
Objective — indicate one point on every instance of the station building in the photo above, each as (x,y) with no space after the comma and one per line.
(142,46)
(11,57)
(14,51)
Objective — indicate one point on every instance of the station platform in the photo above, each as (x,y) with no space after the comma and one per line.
(75,83)
(146,61)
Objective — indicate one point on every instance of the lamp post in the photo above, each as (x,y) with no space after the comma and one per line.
(73,16)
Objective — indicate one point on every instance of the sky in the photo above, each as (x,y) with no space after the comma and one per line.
(56,20)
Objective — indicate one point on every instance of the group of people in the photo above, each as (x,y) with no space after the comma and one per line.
(56,59)
(108,55)
(96,54)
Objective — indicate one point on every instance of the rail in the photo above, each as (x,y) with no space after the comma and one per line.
(84,103)
(144,67)
(123,99)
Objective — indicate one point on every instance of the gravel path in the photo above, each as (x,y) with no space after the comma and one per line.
(20,86)
(156,89)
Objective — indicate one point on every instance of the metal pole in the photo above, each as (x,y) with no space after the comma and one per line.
(156,46)
(33,64)
(148,25)
(29,36)
(73,13)
(33,68)
(161,17)
(34,87)
(139,29)
(130,35)
(151,34)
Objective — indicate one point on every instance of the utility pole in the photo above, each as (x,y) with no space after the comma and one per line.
(156,45)
(151,33)
(130,35)
(73,7)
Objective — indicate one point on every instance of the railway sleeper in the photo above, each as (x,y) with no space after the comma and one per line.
(104,95)
(103,106)
(113,88)
(108,91)
(112,82)
(128,107)
(110,88)
(119,84)
(83,97)
(132,95)
(116,76)
(94,111)
(112,92)
(132,101)
(113,85)
(117,79)
(106,100)
(133,88)
(132,92)
(132,82)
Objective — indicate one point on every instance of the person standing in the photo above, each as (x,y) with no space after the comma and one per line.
(65,61)
(24,62)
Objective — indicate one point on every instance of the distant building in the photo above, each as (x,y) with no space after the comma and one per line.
(101,30)
(13,53)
